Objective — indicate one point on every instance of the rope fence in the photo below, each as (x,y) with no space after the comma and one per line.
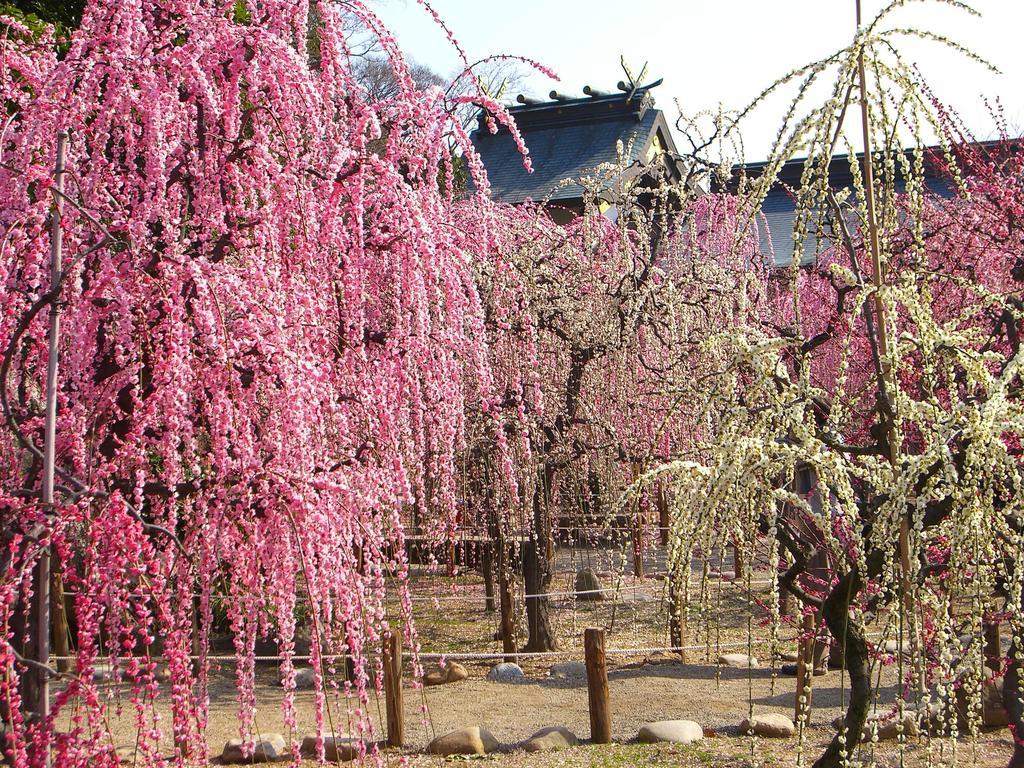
(460,598)
(490,655)
(482,656)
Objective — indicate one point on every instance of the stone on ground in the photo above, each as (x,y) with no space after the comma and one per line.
(336,748)
(993,713)
(674,731)
(455,672)
(588,585)
(626,596)
(548,739)
(789,655)
(304,679)
(506,672)
(434,677)
(740,660)
(452,673)
(770,725)
(465,741)
(269,750)
(567,670)
(663,657)
(887,729)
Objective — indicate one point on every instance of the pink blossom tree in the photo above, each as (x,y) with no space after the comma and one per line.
(271,336)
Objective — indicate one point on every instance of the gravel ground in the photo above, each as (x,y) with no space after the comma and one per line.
(642,688)
(639,692)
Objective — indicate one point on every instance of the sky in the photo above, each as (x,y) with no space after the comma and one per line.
(714,53)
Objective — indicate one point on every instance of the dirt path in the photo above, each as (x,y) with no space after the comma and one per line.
(639,693)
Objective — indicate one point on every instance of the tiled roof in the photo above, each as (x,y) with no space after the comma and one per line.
(568,138)
(558,152)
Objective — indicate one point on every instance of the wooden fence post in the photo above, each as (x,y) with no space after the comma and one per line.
(992,645)
(508,628)
(597,686)
(487,567)
(739,565)
(638,528)
(663,518)
(393,688)
(787,603)
(61,633)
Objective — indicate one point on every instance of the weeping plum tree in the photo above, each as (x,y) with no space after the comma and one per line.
(270,338)
(589,325)
(887,372)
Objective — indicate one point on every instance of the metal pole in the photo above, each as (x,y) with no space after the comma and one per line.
(41,705)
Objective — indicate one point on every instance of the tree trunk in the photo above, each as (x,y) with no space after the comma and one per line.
(508,628)
(59,614)
(1011,700)
(663,517)
(538,557)
(676,619)
(850,634)
(487,566)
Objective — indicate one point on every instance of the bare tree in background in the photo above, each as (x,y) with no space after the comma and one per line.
(377,76)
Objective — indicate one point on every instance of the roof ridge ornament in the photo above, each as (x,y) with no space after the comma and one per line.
(631,84)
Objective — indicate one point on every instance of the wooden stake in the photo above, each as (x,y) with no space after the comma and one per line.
(61,633)
(638,530)
(393,688)
(993,649)
(663,519)
(487,566)
(739,566)
(877,277)
(508,628)
(597,686)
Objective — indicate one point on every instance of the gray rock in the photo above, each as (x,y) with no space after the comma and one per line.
(506,672)
(770,725)
(465,741)
(304,679)
(663,657)
(548,739)
(674,731)
(568,670)
(336,748)
(626,596)
(739,660)
(271,749)
(789,655)
(588,585)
